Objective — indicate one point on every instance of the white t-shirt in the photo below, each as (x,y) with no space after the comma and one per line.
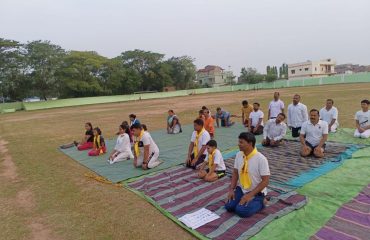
(274,131)
(257,166)
(328,116)
(203,139)
(275,108)
(314,133)
(297,115)
(123,143)
(363,118)
(147,139)
(255,116)
(217,159)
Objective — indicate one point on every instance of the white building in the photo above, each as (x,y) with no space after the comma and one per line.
(213,76)
(311,69)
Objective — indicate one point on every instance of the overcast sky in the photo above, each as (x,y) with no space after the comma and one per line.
(232,33)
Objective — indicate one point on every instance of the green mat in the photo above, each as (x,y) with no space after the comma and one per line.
(172,148)
(325,195)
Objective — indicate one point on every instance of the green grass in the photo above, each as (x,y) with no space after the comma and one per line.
(75,207)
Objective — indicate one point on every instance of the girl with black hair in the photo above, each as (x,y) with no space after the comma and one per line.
(122,150)
(87,141)
(99,147)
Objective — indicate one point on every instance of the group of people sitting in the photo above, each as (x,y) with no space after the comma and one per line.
(133,135)
(251,172)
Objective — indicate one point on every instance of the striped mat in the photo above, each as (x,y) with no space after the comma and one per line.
(350,222)
(289,170)
(178,191)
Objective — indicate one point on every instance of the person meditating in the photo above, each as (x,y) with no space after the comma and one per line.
(99,147)
(216,165)
(122,150)
(297,115)
(329,114)
(246,110)
(314,134)
(173,123)
(363,120)
(274,131)
(146,150)
(197,146)
(256,120)
(209,124)
(249,180)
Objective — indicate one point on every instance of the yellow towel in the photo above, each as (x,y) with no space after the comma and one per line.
(245,179)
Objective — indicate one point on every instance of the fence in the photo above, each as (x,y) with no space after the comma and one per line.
(352,78)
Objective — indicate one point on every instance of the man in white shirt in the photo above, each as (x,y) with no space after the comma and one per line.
(146,150)
(297,115)
(363,120)
(197,146)
(216,165)
(314,134)
(274,131)
(276,106)
(329,114)
(250,178)
(256,120)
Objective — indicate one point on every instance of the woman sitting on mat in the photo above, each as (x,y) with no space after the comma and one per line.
(173,123)
(122,150)
(128,131)
(87,141)
(99,143)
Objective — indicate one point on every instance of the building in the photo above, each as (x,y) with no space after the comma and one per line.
(213,76)
(350,68)
(308,69)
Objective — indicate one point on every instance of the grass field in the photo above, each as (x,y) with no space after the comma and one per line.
(45,195)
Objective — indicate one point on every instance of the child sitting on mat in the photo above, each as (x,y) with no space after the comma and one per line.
(122,150)
(99,143)
(216,165)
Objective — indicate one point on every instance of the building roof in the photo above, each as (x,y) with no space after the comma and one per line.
(209,68)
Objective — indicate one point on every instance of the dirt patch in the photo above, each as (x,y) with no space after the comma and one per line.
(25,200)
(40,232)
(9,169)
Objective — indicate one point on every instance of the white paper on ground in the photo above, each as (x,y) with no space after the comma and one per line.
(198,218)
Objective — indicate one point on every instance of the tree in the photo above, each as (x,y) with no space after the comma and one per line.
(82,74)
(13,80)
(283,71)
(182,71)
(44,61)
(250,76)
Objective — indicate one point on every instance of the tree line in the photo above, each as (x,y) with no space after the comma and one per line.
(252,76)
(40,68)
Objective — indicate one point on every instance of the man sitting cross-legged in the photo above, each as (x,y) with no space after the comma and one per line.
(214,160)
(197,145)
(274,131)
(250,178)
(314,134)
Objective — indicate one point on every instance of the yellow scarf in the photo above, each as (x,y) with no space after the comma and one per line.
(136,147)
(197,141)
(211,159)
(245,179)
(97,144)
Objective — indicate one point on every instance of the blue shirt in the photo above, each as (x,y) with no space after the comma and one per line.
(223,115)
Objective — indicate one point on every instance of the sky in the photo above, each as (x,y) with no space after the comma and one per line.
(229,33)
